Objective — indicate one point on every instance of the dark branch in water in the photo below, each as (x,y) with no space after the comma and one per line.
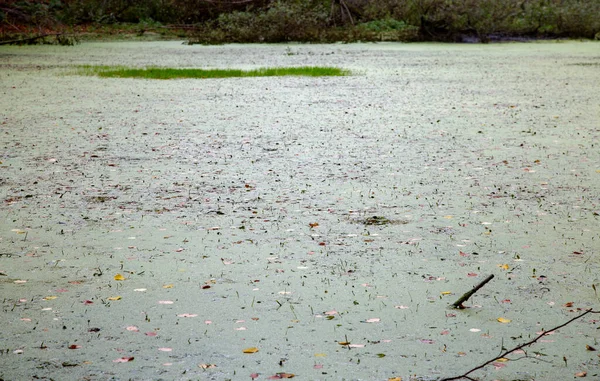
(467,295)
(466,375)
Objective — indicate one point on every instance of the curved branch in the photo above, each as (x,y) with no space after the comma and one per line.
(466,375)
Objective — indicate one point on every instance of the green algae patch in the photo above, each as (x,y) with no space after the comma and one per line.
(170,73)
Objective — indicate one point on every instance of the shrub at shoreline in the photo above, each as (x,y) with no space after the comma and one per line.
(209,22)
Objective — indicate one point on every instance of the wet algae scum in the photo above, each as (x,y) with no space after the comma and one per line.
(314,227)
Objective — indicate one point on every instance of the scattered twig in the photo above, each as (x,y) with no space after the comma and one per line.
(502,355)
(467,295)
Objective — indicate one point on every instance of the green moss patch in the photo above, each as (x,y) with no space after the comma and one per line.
(169,73)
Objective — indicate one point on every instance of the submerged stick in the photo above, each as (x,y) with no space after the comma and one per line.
(467,295)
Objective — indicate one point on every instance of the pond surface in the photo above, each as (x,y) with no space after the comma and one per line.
(156,230)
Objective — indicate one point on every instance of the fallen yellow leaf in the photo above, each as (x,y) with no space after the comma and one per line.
(114,298)
(250,350)
(503,320)
(446,292)
(395,379)
(168,286)
(504,266)
(344,343)
(50,297)
(502,359)
(119,277)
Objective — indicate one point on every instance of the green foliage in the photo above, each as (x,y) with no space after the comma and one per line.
(318,20)
(280,22)
(170,73)
(570,18)
(387,29)
(66,40)
(385,25)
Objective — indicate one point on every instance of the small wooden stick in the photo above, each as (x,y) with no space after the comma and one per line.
(467,295)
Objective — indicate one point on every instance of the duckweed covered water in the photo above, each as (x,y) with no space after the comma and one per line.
(167,229)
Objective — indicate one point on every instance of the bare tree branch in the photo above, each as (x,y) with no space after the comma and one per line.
(29,39)
(343,3)
(466,375)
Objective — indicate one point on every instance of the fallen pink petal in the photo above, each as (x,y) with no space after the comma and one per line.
(498,365)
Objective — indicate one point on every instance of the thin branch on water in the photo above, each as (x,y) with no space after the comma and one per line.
(466,375)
